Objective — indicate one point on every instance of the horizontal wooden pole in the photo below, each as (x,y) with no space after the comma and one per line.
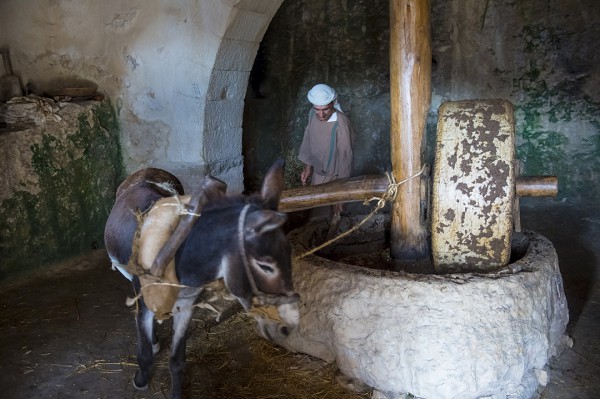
(537,186)
(362,188)
(338,191)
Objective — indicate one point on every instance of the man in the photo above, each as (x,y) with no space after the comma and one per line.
(326,149)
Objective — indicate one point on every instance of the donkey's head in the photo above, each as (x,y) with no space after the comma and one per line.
(264,287)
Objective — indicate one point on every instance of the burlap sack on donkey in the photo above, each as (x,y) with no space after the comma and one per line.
(154,229)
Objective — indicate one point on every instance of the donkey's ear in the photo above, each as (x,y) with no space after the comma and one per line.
(273,184)
(261,222)
(213,188)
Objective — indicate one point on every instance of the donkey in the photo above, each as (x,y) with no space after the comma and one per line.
(239,239)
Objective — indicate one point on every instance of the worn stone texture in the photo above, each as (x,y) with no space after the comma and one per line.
(59,177)
(15,163)
(36,117)
(249,27)
(543,56)
(160,62)
(226,142)
(433,336)
(473,186)
(227,85)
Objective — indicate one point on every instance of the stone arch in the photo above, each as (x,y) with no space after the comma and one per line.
(177,72)
(223,112)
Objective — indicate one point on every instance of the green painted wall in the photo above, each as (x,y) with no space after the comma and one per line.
(77,171)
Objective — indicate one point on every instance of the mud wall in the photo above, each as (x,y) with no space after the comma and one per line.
(543,56)
(60,170)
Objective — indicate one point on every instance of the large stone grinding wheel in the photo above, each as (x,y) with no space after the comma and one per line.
(473,186)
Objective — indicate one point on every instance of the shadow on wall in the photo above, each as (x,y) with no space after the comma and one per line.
(310,42)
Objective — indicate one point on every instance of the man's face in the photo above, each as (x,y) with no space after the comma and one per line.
(324,111)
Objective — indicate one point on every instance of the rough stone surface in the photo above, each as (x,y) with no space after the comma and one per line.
(226,142)
(250,26)
(473,186)
(60,167)
(235,55)
(159,62)
(222,114)
(542,56)
(226,85)
(433,336)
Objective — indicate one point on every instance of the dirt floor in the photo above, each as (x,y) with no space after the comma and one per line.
(65,332)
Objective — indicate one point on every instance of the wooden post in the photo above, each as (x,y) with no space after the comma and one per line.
(410,97)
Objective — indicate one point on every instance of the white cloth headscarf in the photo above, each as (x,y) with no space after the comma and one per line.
(322,94)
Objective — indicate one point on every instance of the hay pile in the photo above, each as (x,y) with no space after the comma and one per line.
(229,360)
(244,365)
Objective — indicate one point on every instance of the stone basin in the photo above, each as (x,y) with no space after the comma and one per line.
(464,336)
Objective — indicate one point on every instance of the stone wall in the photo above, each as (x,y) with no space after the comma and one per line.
(60,167)
(176,74)
(176,71)
(543,56)
(341,43)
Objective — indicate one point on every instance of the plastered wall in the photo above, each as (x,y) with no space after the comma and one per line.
(176,70)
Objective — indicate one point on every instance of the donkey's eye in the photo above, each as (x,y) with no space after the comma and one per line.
(265,267)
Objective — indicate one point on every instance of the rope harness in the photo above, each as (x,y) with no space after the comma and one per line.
(262,304)
(265,305)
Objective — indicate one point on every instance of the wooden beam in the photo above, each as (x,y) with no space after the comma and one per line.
(353,189)
(362,188)
(410,97)
(537,186)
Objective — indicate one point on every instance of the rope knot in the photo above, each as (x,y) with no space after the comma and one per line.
(389,195)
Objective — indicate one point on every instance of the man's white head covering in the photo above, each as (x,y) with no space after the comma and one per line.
(322,94)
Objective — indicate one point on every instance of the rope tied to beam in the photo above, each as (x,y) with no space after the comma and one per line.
(389,195)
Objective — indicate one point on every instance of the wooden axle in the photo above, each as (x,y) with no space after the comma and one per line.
(362,188)
(537,186)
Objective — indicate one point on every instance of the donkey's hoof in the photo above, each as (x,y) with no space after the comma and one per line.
(138,387)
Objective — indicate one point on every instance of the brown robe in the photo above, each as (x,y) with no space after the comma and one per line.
(315,149)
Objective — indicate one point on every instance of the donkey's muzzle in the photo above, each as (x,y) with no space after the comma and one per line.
(277,315)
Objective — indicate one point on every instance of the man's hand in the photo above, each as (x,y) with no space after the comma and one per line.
(305,174)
